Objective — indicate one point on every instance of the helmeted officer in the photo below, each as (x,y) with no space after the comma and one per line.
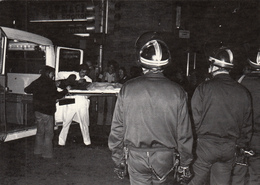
(252,82)
(221,109)
(151,119)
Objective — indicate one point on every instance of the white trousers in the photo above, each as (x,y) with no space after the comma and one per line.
(78,112)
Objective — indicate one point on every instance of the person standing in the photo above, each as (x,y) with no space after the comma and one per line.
(45,95)
(151,120)
(78,111)
(106,104)
(251,80)
(221,109)
(122,75)
(91,71)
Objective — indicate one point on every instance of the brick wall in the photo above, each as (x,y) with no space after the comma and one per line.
(137,17)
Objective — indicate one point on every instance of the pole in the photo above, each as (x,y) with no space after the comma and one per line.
(188,64)
(194,61)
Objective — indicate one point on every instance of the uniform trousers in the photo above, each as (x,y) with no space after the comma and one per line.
(239,175)
(253,168)
(215,158)
(147,167)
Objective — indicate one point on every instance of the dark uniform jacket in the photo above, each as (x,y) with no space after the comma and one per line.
(221,107)
(151,112)
(45,95)
(252,82)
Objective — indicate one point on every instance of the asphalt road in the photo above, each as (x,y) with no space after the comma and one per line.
(74,164)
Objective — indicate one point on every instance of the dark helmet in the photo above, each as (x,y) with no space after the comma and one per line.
(152,51)
(223,58)
(253,58)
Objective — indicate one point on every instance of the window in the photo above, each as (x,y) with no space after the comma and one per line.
(25,61)
(69,60)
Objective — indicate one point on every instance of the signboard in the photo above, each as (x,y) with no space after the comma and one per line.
(61,11)
(184,34)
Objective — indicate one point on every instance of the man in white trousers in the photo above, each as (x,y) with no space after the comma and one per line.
(78,111)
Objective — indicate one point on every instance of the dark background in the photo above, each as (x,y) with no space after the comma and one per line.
(211,24)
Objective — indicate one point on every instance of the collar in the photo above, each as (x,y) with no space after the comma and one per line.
(222,75)
(152,74)
(219,72)
(257,71)
(253,74)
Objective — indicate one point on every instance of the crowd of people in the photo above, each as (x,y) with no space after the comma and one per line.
(204,132)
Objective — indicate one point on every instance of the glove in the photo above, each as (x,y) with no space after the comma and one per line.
(183,174)
(121,170)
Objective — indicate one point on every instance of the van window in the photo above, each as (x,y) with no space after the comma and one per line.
(69,60)
(25,61)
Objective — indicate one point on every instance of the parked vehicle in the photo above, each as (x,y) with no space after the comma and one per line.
(22,55)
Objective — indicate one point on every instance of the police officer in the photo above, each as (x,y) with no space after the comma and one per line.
(252,82)
(151,119)
(221,109)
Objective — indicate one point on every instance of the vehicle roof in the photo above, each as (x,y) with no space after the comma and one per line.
(20,35)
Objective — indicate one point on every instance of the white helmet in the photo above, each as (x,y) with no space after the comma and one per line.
(223,58)
(152,51)
(254,59)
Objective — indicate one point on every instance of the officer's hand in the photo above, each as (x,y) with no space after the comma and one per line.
(121,170)
(184,174)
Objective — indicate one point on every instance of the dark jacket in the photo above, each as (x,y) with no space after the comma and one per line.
(123,80)
(151,112)
(252,82)
(45,95)
(221,107)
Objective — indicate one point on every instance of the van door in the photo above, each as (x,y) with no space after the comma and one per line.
(67,61)
(3,128)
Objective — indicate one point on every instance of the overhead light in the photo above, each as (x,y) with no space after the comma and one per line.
(58,20)
(90,28)
(90,8)
(82,34)
(90,18)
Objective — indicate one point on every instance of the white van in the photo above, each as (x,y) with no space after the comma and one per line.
(22,55)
